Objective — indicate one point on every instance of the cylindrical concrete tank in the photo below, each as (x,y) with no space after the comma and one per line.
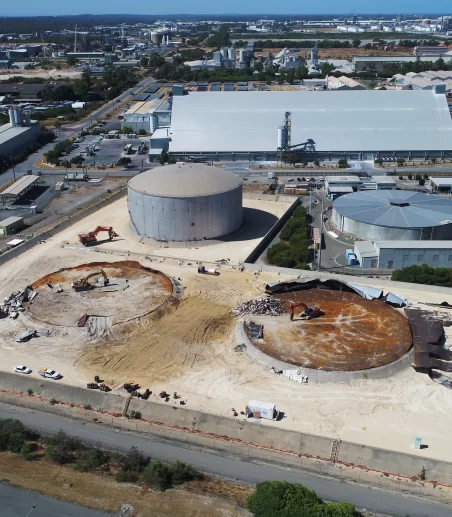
(217,57)
(282,137)
(225,52)
(242,55)
(28,118)
(185,202)
(231,53)
(390,215)
(18,116)
(12,116)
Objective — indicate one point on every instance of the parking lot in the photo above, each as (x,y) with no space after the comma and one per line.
(101,152)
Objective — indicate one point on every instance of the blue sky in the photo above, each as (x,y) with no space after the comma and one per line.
(53,7)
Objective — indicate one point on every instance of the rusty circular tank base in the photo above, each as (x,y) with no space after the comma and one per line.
(132,291)
(350,333)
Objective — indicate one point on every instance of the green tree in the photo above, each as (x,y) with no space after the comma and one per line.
(421,182)
(356,43)
(400,161)
(144,62)
(71,60)
(342,163)
(125,161)
(163,158)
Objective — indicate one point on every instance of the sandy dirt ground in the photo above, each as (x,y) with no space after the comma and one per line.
(46,74)
(187,346)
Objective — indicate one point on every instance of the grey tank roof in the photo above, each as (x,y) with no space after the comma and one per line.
(184,180)
(395,208)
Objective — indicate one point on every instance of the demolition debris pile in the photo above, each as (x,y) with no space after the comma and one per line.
(12,304)
(260,307)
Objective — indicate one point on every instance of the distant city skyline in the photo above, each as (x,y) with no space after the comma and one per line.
(201,7)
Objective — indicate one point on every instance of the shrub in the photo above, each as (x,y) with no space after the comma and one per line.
(27,451)
(30,391)
(12,435)
(410,176)
(90,460)
(126,476)
(342,163)
(418,177)
(424,275)
(135,414)
(87,407)
(400,177)
(52,402)
(133,461)
(181,473)
(157,475)
(285,499)
(421,182)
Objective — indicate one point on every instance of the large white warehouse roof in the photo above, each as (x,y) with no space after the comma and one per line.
(206,122)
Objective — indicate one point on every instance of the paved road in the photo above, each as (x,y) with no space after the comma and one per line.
(386,502)
(18,503)
(70,131)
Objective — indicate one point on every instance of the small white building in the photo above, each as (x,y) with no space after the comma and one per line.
(441,184)
(260,409)
(384,183)
(339,185)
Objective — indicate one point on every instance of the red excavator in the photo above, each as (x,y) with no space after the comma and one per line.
(310,311)
(90,238)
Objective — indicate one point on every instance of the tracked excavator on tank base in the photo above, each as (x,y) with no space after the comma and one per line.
(309,312)
(83,284)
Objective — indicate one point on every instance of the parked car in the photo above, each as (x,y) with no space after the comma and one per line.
(48,373)
(22,369)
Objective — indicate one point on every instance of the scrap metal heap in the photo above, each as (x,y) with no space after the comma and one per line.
(260,307)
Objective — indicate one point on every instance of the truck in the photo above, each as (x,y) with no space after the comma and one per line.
(348,253)
(352,260)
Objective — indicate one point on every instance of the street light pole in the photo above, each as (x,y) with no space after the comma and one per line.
(32,508)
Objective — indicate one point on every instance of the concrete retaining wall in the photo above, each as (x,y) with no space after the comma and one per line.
(272,233)
(388,284)
(248,439)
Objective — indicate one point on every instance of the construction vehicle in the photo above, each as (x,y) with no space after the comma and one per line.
(203,271)
(83,285)
(309,312)
(91,237)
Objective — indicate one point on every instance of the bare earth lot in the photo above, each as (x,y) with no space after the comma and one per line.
(187,345)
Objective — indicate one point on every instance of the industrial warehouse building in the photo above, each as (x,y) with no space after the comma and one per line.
(185,202)
(399,254)
(19,133)
(393,215)
(329,124)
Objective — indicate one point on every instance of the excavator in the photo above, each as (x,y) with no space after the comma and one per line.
(83,284)
(91,237)
(309,312)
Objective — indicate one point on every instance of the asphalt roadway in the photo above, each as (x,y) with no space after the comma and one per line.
(19,503)
(372,499)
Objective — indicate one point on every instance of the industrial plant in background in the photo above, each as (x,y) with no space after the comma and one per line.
(19,133)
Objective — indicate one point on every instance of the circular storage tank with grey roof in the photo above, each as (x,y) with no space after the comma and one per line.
(185,202)
(394,215)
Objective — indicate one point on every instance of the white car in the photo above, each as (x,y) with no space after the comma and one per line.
(49,374)
(21,369)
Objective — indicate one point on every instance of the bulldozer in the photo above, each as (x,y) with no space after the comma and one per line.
(309,312)
(83,284)
(90,238)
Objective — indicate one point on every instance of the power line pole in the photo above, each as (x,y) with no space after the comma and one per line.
(321,228)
